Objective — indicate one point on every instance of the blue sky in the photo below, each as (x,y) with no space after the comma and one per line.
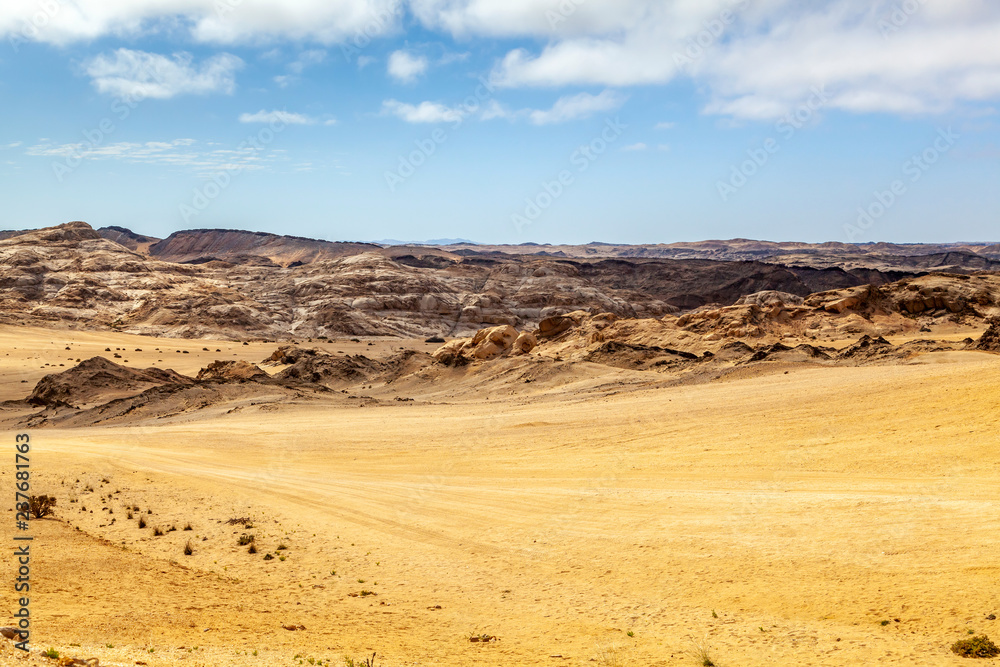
(610,120)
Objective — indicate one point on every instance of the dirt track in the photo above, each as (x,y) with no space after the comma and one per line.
(803,509)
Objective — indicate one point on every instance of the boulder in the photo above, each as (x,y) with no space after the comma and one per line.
(486,344)
(525,343)
(990,341)
(231,370)
(553,326)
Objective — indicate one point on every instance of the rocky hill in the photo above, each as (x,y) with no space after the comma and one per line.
(232,245)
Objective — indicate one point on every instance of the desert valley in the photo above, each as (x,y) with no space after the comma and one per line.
(269,450)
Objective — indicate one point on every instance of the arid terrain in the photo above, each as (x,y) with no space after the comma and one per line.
(595,461)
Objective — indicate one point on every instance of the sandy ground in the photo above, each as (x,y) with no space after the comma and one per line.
(823,516)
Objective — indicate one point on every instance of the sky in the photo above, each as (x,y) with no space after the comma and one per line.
(505,121)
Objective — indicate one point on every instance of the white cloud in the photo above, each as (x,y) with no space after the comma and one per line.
(763,59)
(5,147)
(635,147)
(181,153)
(276,116)
(406,67)
(365,61)
(666,125)
(425,112)
(128,73)
(216,21)
(496,110)
(574,107)
(750,58)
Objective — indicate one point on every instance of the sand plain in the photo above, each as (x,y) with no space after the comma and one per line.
(776,519)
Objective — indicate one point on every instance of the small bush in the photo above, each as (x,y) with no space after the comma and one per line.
(188,527)
(142,522)
(252,549)
(51,653)
(157,532)
(41,506)
(268,557)
(979,646)
(281,547)
(188,548)
(245,539)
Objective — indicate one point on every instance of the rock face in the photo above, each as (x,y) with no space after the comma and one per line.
(770,299)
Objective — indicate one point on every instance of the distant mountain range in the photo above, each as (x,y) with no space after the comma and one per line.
(429,242)
(236,284)
(199,246)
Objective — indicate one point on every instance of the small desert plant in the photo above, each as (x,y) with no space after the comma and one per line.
(142,522)
(611,656)
(976,647)
(702,655)
(157,532)
(281,547)
(188,548)
(188,527)
(245,539)
(51,653)
(268,557)
(252,549)
(630,633)
(129,515)
(41,506)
